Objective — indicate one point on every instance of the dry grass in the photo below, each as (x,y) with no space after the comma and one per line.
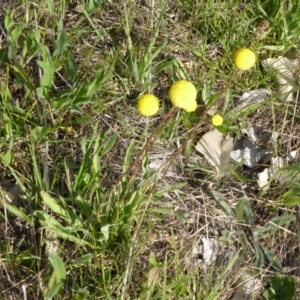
(200,39)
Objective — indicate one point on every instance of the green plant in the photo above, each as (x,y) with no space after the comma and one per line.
(280,288)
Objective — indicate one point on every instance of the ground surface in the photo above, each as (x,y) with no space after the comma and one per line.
(99,202)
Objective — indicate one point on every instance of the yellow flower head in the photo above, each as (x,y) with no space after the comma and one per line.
(183,94)
(148,105)
(192,107)
(217,120)
(244,59)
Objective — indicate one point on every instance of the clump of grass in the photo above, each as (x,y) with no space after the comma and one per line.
(83,214)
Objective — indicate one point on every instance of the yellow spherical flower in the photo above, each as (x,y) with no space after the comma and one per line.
(183,94)
(148,105)
(217,120)
(192,107)
(244,59)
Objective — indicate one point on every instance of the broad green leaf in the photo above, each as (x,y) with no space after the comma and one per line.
(58,276)
(39,133)
(20,73)
(15,33)
(51,224)
(227,100)
(273,260)
(50,7)
(95,85)
(280,221)
(7,156)
(211,99)
(281,288)
(96,164)
(239,209)
(289,172)
(19,213)
(128,155)
(206,92)
(60,42)
(152,259)
(47,77)
(32,46)
(225,206)
(48,69)
(81,294)
(92,5)
(60,103)
(9,21)
(58,266)
(82,260)
(249,212)
(52,204)
(72,70)
(259,257)
(272,226)
(64,213)
(292,201)
(110,143)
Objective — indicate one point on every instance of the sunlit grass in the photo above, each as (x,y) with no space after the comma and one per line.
(99,202)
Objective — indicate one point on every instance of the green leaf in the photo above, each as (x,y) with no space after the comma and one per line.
(58,276)
(32,46)
(19,213)
(82,260)
(152,259)
(227,100)
(60,103)
(259,257)
(289,173)
(51,224)
(15,33)
(72,70)
(211,99)
(48,69)
(9,21)
(110,143)
(64,213)
(291,201)
(225,206)
(239,209)
(7,124)
(171,212)
(21,74)
(170,189)
(60,42)
(81,294)
(92,5)
(94,85)
(58,266)
(6,157)
(39,133)
(128,155)
(273,260)
(50,7)
(273,225)
(291,197)
(206,92)
(281,288)
(172,285)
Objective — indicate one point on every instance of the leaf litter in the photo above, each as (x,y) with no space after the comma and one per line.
(216,148)
(286,83)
